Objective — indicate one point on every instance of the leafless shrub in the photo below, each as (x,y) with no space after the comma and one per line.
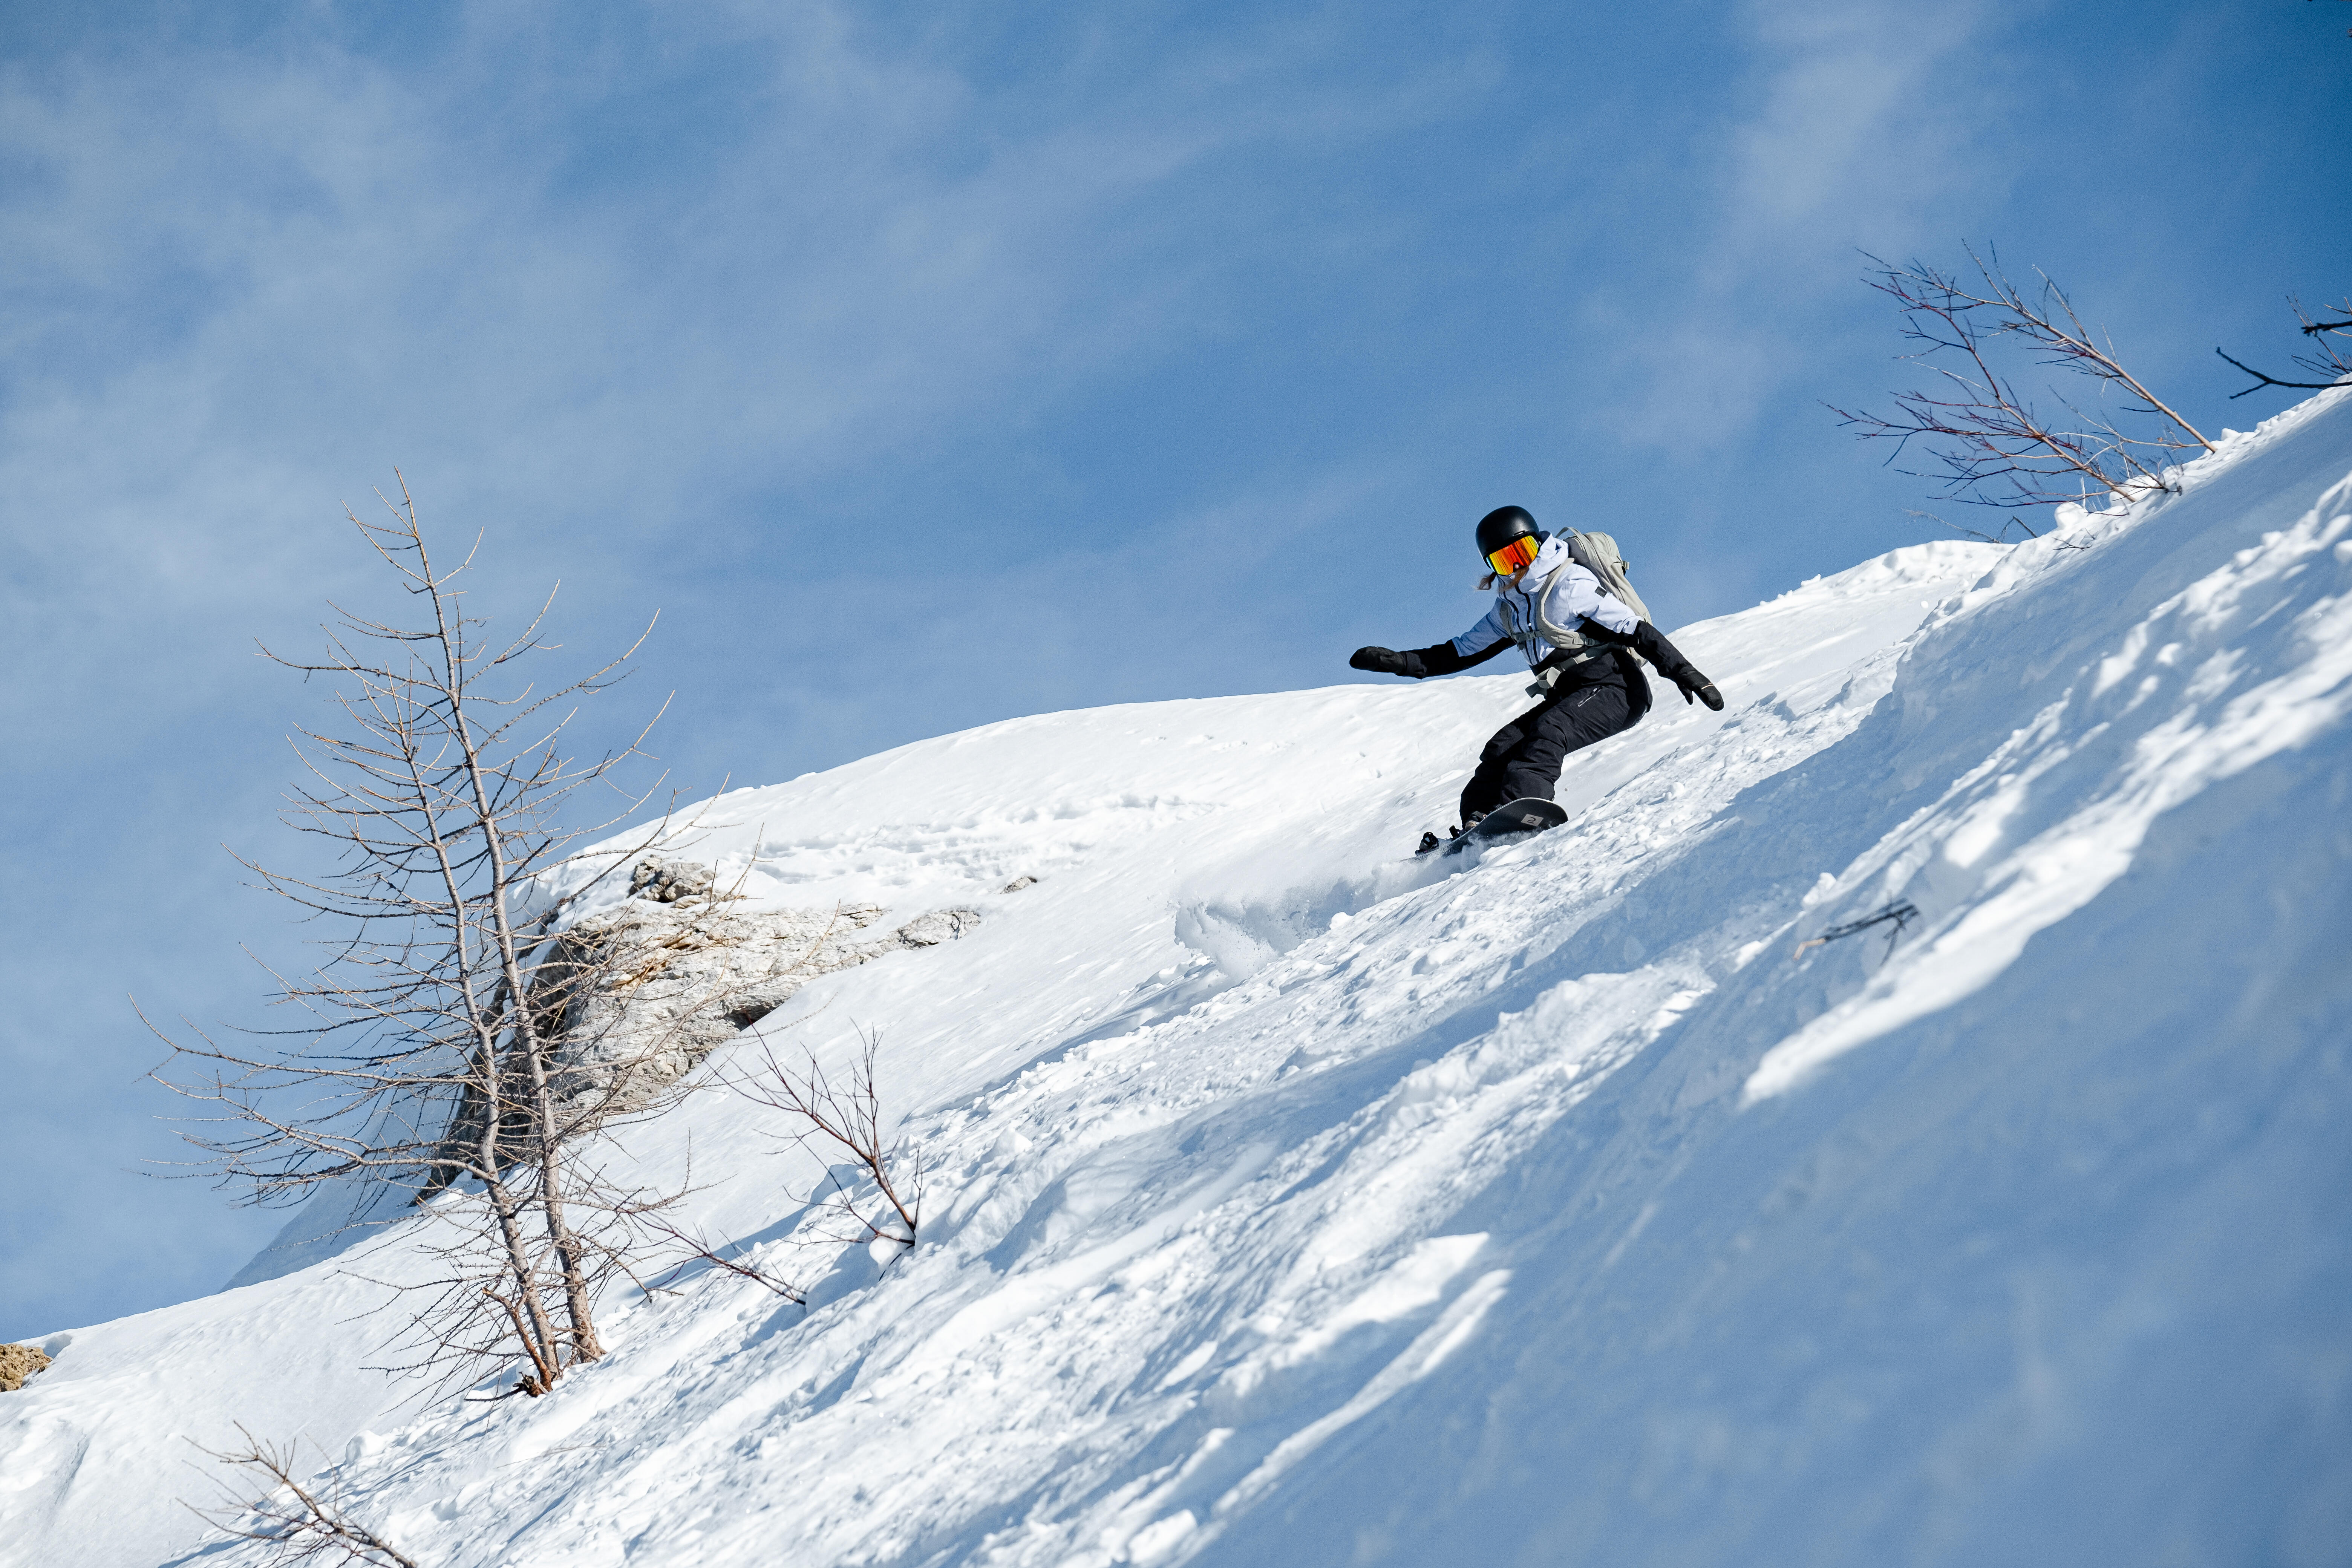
(1992,445)
(440,799)
(846,1118)
(2327,358)
(297,1521)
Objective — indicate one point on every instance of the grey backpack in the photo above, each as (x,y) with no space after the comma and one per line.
(1597,553)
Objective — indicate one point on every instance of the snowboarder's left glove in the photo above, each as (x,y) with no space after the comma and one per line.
(1419,663)
(1696,687)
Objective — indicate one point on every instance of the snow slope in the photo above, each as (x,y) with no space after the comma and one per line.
(1294,1201)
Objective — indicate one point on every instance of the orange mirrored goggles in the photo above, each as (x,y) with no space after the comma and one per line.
(1515,557)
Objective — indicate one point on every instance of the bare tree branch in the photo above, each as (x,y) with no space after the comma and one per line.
(1993,447)
(298,1523)
(2328,361)
(2261,380)
(1999,536)
(695,1248)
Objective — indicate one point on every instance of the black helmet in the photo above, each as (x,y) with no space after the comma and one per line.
(1503,524)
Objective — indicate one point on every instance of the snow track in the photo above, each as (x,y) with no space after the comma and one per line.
(1297,1202)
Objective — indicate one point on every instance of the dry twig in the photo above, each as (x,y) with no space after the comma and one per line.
(1999,535)
(1899,915)
(695,1248)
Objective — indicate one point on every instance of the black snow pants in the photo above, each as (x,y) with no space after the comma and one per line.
(1525,756)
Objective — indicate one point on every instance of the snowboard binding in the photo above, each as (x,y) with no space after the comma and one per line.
(1525,815)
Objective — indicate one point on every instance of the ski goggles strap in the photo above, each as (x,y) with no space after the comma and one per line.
(1515,557)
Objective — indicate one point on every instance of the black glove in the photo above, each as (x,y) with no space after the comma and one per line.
(1382,660)
(1696,686)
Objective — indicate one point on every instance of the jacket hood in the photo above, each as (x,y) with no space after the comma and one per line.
(1548,558)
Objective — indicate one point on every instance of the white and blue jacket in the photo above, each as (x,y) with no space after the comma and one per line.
(1513,617)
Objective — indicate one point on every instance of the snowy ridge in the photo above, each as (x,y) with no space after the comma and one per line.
(1296,1202)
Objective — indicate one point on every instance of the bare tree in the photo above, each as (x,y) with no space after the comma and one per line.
(298,1523)
(2326,359)
(1992,445)
(846,1118)
(438,798)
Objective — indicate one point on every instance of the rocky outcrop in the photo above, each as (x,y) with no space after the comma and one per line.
(667,881)
(18,1363)
(632,998)
(635,996)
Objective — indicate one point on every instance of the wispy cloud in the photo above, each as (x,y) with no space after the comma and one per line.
(1853,124)
(673,298)
(264,275)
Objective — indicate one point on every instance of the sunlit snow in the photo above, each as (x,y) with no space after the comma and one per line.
(1294,1200)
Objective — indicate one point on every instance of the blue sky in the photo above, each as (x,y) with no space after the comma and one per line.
(925,369)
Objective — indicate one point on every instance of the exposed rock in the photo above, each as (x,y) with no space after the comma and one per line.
(667,881)
(1018,883)
(939,926)
(18,1363)
(635,996)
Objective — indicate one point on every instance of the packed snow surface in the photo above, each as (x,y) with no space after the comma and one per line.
(1292,1201)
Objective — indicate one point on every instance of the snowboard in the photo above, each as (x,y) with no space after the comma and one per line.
(1526,815)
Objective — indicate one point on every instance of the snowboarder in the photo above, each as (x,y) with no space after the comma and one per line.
(1591,689)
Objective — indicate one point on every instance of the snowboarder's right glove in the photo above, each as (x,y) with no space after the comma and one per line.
(1696,686)
(1382,660)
